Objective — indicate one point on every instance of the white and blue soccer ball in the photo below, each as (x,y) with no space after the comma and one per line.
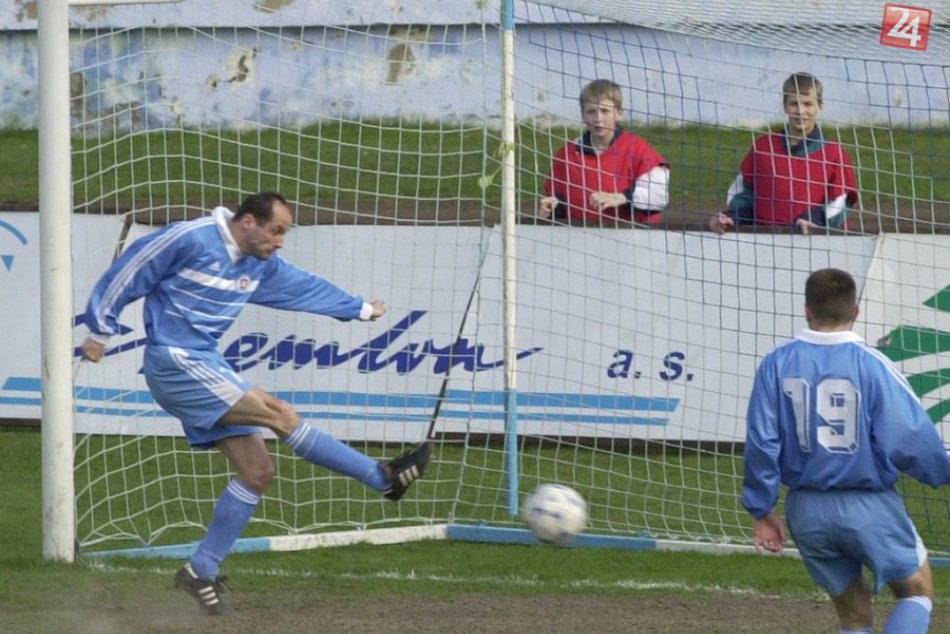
(555,513)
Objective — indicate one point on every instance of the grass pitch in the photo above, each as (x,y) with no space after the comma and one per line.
(436,585)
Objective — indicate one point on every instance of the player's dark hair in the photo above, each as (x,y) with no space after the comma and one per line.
(601,89)
(260,206)
(831,294)
(799,83)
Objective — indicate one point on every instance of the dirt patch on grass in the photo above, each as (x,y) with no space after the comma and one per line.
(281,611)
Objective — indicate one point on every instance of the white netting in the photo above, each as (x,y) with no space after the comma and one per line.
(636,347)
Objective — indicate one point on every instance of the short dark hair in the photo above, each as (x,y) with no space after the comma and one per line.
(831,294)
(798,83)
(260,206)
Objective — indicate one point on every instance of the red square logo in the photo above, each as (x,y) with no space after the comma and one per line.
(905,27)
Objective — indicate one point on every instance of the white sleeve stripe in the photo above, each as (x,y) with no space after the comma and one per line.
(892,369)
(127,274)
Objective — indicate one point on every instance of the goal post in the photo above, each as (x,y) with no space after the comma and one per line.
(415,146)
(55,207)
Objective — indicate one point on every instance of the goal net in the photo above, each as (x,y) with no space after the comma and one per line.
(616,358)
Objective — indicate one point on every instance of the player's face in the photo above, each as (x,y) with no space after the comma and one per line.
(601,118)
(263,240)
(802,110)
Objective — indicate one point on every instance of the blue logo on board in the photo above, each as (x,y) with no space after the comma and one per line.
(9,234)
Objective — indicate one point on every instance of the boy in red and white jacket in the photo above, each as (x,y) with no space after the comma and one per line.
(797,177)
(608,173)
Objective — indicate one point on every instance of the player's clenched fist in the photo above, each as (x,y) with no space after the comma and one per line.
(93,350)
(379,309)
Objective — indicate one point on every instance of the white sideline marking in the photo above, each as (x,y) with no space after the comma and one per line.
(525,582)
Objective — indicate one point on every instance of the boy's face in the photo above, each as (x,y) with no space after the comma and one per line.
(802,110)
(601,118)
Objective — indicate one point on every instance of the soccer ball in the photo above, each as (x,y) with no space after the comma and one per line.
(555,513)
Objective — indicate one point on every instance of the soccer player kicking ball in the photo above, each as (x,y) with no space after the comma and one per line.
(196,276)
(835,421)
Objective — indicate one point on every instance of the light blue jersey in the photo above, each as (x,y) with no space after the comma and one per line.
(835,421)
(829,413)
(195,281)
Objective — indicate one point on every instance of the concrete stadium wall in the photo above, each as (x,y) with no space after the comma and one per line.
(441,72)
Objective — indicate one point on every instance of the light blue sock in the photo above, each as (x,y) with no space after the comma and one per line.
(232,513)
(328,452)
(863,630)
(909,616)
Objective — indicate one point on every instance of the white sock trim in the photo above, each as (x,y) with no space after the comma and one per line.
(243,493)
(926,603)
(298,435)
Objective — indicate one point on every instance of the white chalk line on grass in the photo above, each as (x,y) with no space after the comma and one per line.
(524,582)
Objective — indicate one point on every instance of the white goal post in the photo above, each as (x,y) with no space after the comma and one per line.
(415,146)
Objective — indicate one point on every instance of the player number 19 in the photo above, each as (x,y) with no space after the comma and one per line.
(836,404)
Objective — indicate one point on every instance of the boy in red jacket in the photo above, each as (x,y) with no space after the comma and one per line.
(799,177)
(608,173)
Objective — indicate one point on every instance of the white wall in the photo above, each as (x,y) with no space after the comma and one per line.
(239,79)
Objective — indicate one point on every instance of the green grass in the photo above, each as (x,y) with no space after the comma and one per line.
(110,591)
(21,545)
(155,491)
(664,493)
(345,162)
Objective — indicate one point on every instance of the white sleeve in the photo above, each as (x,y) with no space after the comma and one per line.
(651,191)
(366,311)
(835,208)
(101,339)
(737,187)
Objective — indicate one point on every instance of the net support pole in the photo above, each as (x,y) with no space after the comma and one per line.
(56,293)
(509,262)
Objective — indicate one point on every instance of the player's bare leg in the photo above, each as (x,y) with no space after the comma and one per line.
(258,407)
(249,459)
(854,606)
(200,576)
(391,478)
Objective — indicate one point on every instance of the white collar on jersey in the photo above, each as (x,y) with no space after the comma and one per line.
(829,338)
(222,216)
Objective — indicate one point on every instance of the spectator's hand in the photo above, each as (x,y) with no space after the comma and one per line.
(721,223)
(547,206)
(379,309)
(770,533)
(805,226)
(606,200)
(93,350)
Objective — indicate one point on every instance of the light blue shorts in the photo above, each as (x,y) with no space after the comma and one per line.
(197,387)
(838,532)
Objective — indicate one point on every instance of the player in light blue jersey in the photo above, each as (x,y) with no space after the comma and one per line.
(835,421)
(196,276)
